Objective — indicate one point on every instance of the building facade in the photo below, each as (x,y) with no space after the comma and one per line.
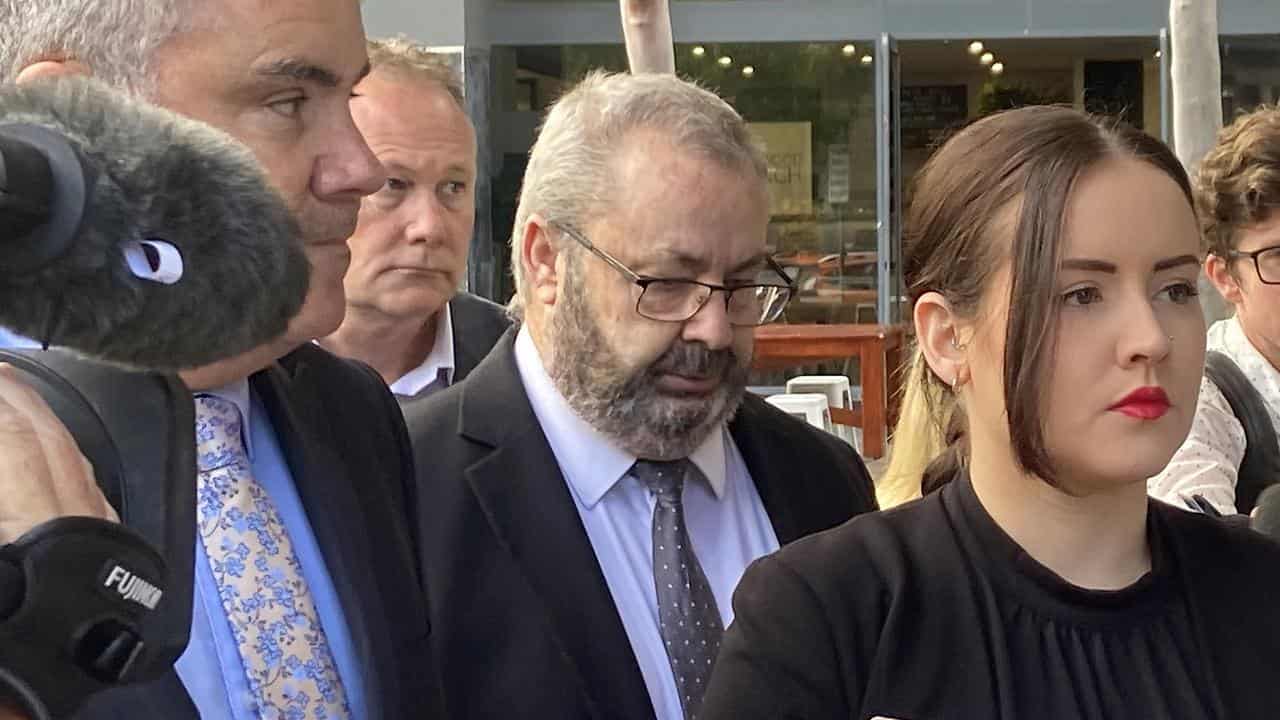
(849,96)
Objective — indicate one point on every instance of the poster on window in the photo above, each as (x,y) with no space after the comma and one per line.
(789,149)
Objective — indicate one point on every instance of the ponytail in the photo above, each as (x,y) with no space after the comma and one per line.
(928,440)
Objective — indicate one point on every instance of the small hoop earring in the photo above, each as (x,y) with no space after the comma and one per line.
(956,344)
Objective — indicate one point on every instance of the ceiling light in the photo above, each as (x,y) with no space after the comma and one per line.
(725,61)
(987,58)
(699,51)
(866,59)
(748,71)
(849,50)
(997,68)
(976,47)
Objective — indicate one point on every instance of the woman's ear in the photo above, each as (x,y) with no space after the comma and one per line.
(942,339)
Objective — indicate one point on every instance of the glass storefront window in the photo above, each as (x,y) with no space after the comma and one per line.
(1250,73)
(813,104)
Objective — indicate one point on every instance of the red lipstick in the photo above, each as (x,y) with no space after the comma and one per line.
(1145,403)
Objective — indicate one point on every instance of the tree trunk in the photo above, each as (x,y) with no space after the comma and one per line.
(1196,82)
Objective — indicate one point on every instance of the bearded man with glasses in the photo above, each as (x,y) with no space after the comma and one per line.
(590,495)
(1232,453)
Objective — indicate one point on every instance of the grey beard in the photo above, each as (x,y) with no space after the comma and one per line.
(626,405)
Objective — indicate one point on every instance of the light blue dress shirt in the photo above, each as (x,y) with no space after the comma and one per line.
(726,519)
(211,668)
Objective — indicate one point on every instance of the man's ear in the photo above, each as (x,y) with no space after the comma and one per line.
(538,254)
(52,68)
(1219,272)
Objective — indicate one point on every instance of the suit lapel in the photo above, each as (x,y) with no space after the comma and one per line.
(770,458)
(333,509)
(519,486)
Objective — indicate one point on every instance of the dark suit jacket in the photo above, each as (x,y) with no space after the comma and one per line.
(523,625)
(348,452)
(477,325)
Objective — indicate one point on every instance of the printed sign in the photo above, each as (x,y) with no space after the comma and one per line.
(789,149)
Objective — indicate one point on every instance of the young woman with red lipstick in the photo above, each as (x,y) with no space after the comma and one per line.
(1052,262)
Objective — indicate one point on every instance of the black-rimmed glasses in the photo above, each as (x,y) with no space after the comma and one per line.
(676,300)
(1266,261)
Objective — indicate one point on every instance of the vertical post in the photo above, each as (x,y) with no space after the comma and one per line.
(1166,93)
(646,29)
(886,183)
(1196,81)
(483,264)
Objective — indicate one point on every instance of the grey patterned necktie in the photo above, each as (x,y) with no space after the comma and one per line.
(687,613)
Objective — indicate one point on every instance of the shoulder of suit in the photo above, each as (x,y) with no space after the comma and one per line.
(465,302)
(336,368)
(434,416)
(795,431)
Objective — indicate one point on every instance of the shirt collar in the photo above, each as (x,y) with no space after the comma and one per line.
(1227,337)
(591,463)
(439,360)
(237,393)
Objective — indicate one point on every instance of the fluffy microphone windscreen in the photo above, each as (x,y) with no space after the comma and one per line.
(153,175)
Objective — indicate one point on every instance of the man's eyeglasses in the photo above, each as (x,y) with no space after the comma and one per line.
(677,300)
(1266,261)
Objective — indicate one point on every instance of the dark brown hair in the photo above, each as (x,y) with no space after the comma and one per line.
(1238,182)
(1011,173)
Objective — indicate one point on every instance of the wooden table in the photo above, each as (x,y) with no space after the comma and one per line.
(879,352)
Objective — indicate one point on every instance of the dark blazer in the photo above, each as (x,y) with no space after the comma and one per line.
(894,614)
(347,449)
(523,625)
(477,325)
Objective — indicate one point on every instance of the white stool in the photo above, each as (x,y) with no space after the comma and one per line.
(810,407)
(838,394)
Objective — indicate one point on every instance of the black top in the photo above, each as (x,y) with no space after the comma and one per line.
(931,611)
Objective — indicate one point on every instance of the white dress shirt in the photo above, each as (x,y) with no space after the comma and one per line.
(1208,462)
(438,365)
(725,518)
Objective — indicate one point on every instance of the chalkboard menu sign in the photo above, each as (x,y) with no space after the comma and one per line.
(929,111)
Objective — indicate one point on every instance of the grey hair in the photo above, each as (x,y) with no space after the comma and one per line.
(569,179)
(407,59)
(115,38)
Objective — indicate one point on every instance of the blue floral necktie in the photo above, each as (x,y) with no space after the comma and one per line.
(285,654)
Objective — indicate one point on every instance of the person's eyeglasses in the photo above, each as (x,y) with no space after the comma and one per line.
(1266,261)
(677,300)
